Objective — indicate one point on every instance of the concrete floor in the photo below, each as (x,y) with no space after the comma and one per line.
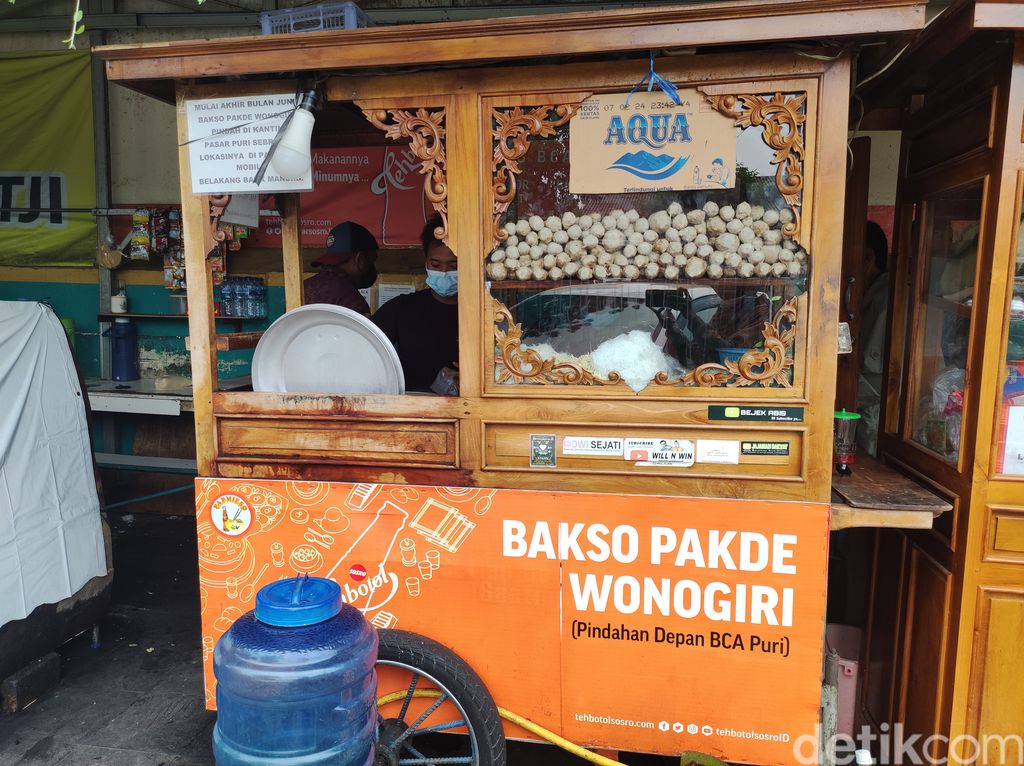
(137,700)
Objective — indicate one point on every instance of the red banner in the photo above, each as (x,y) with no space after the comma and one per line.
(379,187)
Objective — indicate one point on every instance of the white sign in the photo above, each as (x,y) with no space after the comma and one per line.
(1013,452)
(624,143)
(387,291)
(718,451)
(243,210)
(230,137)
(674,452)
(592,445)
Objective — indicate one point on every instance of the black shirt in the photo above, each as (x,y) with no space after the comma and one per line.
(425,333)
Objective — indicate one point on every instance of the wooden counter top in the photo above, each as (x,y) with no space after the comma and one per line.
(875,495)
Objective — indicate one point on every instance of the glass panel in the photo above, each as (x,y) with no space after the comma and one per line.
(642,289)
(1010,433)
(944,317)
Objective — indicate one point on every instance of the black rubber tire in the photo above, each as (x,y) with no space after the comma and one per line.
(462,682)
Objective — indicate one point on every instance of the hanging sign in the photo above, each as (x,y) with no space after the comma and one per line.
(650,144)
(46,168)
(230,137)
(379,187)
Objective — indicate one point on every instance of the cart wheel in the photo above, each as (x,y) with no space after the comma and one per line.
(432,708)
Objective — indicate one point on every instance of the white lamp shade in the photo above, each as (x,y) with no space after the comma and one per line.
(292,158)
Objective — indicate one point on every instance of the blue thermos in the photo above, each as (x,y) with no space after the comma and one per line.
(296,681)
(124,347)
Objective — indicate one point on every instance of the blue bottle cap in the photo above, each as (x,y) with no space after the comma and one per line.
(298,601)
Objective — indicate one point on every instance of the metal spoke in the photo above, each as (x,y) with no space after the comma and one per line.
(421,758)
(440,727)
(408,695)
(426,714)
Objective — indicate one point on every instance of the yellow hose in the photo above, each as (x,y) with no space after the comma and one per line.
(518,720)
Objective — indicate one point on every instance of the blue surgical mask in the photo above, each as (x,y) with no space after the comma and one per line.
(444,283)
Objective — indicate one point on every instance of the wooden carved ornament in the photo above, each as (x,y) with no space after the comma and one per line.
(425,131)
(782,118)
(766,367)
(516,364)
(213,236)
(512,129)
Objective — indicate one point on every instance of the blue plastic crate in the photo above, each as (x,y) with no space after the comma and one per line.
(313,18)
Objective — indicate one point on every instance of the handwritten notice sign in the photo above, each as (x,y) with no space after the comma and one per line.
(230,138)
(650,144)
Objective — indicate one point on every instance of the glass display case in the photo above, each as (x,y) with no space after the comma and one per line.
(657,291)
(945,287)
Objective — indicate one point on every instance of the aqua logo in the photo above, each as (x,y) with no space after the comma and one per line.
(654,131)
(650,167)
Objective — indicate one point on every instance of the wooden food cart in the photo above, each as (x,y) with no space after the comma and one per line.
(632,557)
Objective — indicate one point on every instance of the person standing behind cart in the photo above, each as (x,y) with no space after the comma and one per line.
(424,325)
(348,265)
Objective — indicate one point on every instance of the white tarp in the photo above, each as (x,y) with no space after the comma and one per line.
(51,542)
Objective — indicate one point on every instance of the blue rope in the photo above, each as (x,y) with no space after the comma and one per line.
(652,79)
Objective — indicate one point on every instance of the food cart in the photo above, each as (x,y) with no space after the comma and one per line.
(616,533)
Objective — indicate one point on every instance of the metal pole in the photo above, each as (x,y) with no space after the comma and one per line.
(101,142)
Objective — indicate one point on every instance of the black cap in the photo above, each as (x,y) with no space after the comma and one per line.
(347,238)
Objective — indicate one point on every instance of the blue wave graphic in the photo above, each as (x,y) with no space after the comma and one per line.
(650,167)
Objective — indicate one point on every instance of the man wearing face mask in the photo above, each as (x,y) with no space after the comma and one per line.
(424,326)
(347,266)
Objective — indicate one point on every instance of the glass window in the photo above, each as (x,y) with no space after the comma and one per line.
(651,290)
(1010,431)
(943,322)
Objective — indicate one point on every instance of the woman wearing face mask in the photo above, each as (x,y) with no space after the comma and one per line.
(424,326)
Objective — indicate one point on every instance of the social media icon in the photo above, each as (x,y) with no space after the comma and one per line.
(692,728)
(663,725)
(677,727)
(706,730)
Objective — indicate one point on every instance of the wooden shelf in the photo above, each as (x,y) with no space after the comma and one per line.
(234,341)
(548,284)
(111,317)
(875,495)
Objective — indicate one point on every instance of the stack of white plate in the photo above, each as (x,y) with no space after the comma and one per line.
(325,349)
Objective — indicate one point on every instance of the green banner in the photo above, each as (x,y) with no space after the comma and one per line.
(47,162)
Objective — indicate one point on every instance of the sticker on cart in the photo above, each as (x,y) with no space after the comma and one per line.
(592,445)
(667,452)
(718,451)
(765,448)
(542,451)
(757,414)
(231,514)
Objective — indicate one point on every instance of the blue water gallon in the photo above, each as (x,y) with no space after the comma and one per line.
(295,680)
(124,350)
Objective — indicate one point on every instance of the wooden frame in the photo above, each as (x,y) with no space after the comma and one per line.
(334,59)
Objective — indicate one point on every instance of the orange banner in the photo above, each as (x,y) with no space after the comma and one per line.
(656,624)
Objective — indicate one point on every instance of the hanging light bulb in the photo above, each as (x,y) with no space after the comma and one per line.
(291,158)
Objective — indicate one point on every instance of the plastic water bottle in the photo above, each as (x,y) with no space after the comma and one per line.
(254,297)
(227,297)
(261,298)
(296,681)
